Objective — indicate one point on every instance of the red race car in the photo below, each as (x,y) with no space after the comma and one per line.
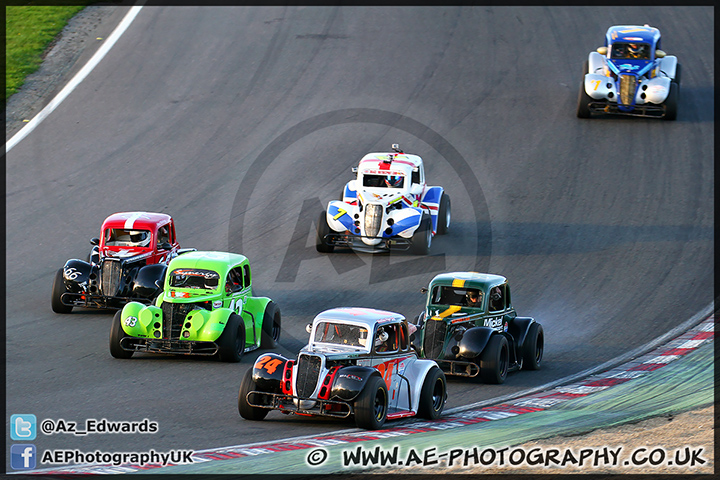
(127,262)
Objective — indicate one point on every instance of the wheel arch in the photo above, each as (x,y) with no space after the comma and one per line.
(350,381)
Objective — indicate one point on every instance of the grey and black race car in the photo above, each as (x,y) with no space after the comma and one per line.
(358,363)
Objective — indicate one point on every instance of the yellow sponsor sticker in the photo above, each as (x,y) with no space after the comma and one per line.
(446,313)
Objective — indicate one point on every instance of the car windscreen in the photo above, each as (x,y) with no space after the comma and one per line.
(383,181)
(462,297)
(122,237)
(194,278)
(341,334)
(630,51)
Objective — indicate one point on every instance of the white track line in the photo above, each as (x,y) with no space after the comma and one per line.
(79,77)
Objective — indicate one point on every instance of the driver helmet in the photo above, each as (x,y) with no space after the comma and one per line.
(495,294)
(634,50)
(381,337)
(473,297)
(393,180)
(137,236)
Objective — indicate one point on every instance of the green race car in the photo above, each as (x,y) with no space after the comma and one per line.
(206,308)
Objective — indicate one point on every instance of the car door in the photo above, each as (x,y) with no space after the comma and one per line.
(390,358)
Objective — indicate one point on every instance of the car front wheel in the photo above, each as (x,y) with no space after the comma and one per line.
(532,351)
(583,103)
(58,289)
(372,404)
(432,395)
(270,326)
(323,229)
(422,238)
(247,411)
(116,335)
(494,360)
(231,343)
(444,214)
(671,102)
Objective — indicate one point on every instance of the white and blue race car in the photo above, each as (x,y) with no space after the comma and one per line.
(388,206)
(630,75)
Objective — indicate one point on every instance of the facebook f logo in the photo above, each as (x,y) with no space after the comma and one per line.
(22,427)
(22,457)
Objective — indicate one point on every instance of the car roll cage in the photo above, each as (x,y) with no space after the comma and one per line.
(286,403)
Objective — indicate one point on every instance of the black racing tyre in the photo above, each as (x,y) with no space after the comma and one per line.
(443,218)
(532,350)
(58,288)
(494,360)
(671,102)
(116,335)
(583,109)
(422,238)
(371,406)
(433,394)
(271,326)
(231,343)
(586,68)
(323,229)
(246,411)
(678,71)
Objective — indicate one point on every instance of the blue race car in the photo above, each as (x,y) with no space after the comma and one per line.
(630,75)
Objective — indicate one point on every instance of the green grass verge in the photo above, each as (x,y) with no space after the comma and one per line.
(29,30)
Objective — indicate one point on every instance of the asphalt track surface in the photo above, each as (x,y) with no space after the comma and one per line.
(244,122)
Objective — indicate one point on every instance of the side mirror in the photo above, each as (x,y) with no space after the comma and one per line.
(354,169)
(165,246)
(94,241)
(308,328)
(602,50)
(659,54)
(423,290)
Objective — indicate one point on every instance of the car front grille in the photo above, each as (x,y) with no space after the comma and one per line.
(434,338)
(173,317)
(373,217)
(308,372)
(111,275)
(627,89)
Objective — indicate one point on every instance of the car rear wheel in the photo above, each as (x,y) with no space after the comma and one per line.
(58,289)
(247,411)
(443,219)
(494,360)
(323,229)
(532,351)
(116,335)
(422,238)
(270,326)
(372,404)
(231,343)
(671,102)
(432,395)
